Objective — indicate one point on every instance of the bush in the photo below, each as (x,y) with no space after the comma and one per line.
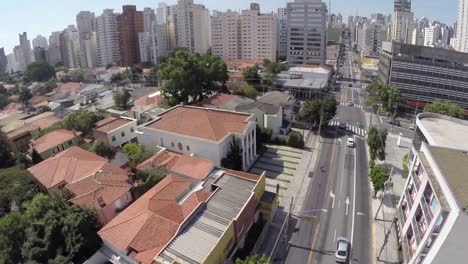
(103,149)
(379,175)
(404,162)
(296,140)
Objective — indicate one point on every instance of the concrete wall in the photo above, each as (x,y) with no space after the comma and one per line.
(129,135)
(274,121)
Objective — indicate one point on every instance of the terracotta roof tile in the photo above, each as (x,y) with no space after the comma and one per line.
(110,124)
(219,99)
(151,222)
(149,100)
(209,124)
(53,139)
(69,87)
(68,166)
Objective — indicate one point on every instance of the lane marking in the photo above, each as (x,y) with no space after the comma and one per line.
(354,195)
(334,236)
(339,203)
(332,195)
(313,243)
(347,205)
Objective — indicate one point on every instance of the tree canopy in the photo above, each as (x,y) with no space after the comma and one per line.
(385,96)
(6,151)
(247,91)
(16,185)
(313,111)
(39,71)
(24,94)
(102,148)
(233,159)
(121,99)
(192,76)
(379,175)
(251,75)
(81,120)
(444,107)
(136,153)
(376,140)
(48,231)
(253,260)
(147,179)
(296,140)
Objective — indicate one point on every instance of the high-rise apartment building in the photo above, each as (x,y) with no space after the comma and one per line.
(431,35)
(418,37)
(70,47)
(201,29)
(282,30)
(3,61)
(258,34)
(144,38)
(23,52)
(85,22)
(462,27)
(107,38)
(371,35)
(149,16)
(131,23)
(40,42)
(54,53)
(403,19)
(306,32)
(184,22)
(226,35)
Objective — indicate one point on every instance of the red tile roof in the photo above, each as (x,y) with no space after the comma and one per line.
(69,87)
(219,99)
(209,124)
(111,123)
(149,100)
(147,225)
(53,139)
(191,166)
(68,166)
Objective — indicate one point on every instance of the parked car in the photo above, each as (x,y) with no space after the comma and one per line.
(394,122)
(342,250)
(350,143)
(350,103)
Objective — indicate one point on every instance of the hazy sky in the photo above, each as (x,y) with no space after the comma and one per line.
(41,17)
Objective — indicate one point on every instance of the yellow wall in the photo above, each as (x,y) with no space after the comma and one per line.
(260,187)
(220,251)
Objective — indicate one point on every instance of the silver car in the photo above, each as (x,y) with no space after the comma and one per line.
(343,246)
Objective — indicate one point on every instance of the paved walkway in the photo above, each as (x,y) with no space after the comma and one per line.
(295,192)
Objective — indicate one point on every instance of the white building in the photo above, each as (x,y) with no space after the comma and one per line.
(208,133)
(54,52)
(23,52)
(258,34)
(403,21)
(85,22)
(201,29)
(433,209)
(184,24)
(107,38)
(418,37)
(40,42)
(70,47)
(431,35)
(226,35)
(145,43)
(370,37)
(116,131)
(307,32)
(462,26)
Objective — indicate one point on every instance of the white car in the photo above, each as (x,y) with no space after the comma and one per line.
(342,250)
(350,142)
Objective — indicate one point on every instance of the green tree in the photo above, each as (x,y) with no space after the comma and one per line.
(379,175)
(118,77)
(447,108)
(16,185)
(269,79)
(36,158)
(251,75)
(48,86)
(136,153)
(376,140)
(248,91)
(152,77)
(39,71)
(192,76)
(296,140)
(23,161)
(318,110)
(122,98)
(233,159)
(147,179)
(6,151)
(103,149)
(329,106)
(24,95)
(253,260)
(281,56)
(134,74)
(385,96)
(274,67)
(12,236)
(81,120)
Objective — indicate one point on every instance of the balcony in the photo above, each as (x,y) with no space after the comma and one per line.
(425,208)
(416,179)
(417,237)
(408,199)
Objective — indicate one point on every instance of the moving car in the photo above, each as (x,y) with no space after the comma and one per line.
(342,250)
(394,122)
(350,103)
(342,126)
(350,143)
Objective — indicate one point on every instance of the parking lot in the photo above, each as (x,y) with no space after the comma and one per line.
(279,163)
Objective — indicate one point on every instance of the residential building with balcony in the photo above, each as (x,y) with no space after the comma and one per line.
(204,132)
(116,131)
(433,209)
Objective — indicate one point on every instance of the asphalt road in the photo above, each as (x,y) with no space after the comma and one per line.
(338,197)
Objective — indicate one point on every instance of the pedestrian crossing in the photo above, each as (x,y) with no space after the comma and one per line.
(350,128)
(354,105)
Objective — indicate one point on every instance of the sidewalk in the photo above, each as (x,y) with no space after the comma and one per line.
(296,190)
(386,214)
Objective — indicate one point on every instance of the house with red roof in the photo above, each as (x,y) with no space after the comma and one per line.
(147,103)
(204,132)
(116,131)
(55,142)
(90,179)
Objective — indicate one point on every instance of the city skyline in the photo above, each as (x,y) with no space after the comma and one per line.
(65,13)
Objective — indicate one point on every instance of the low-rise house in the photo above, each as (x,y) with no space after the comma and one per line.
(166,225)
(146,103)
(116,131)
(69,88)
(235,68)
(55,142)
(90,93)
(204,132)
(90,178)
(226,101)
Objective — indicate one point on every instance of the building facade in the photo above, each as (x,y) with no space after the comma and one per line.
(403,19)
(184,24)
(432,212)
(131,23)
(107,38)
(424,74)
(40,42)
(54,53)
(3,61)
(70,47)
(201,29)
(116,131)
(306,32)
(462,26)
(85,22)
(282,30)
(226,35)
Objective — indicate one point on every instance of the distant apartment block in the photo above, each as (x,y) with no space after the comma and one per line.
(282,30)
(207,133)
(433,209)
(130,24)
(424,74)
(107,37)
(116,131)
(306,32)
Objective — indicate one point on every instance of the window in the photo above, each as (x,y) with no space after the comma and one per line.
(162,143)
(113,139)
(122,134)
(129,197)
(188,148)
(180,146)
(70,143)
(172,144)
(132,130)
